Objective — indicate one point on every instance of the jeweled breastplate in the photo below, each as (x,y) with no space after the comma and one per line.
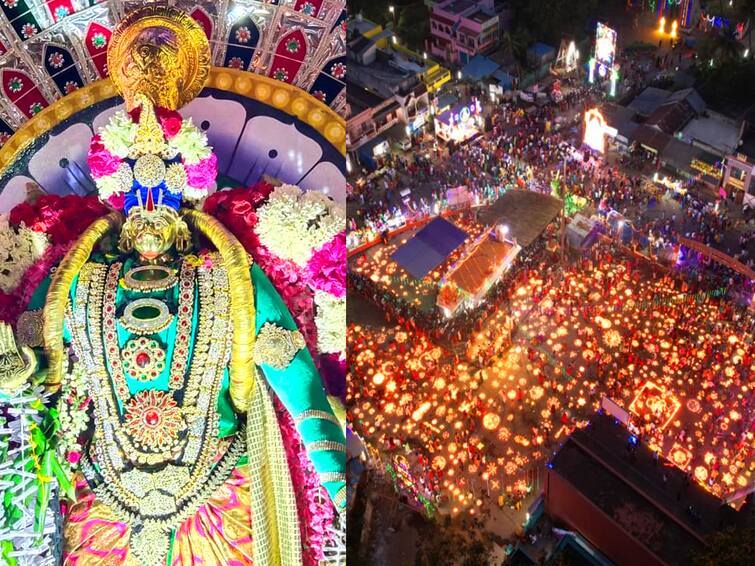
(156,457)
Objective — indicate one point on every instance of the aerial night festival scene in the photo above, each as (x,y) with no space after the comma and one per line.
(551,282)
(377,282)
(172,283)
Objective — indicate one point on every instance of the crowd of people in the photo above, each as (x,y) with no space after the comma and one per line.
(535,149)
(476,428)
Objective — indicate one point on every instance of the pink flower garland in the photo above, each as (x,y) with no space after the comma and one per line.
(203,174)
(314,519)
(101,162)
(326,270)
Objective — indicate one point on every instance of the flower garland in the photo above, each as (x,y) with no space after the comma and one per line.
(19,249)
(59,220)
(331,323)
(74,419)
(63,219)
(299,241)
(191,175)
(293,223)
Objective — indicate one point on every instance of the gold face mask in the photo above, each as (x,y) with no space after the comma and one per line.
(153,66)
(161,53)
(152,234)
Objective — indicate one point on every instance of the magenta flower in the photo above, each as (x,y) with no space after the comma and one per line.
(327,268)
(101,162)
(203,174)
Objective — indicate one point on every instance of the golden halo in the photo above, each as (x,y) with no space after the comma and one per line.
(162,53)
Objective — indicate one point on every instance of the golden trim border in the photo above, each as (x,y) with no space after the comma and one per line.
(283,96)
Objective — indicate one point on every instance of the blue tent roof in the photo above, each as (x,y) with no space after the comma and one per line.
(429,247)
(479,67)
(504,79)
(540,49)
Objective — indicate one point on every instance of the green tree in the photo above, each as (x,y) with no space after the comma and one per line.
(551,20)
(413,25)
(514,45)
(731,547)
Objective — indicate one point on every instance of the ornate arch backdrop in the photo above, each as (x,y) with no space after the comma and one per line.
(50,48)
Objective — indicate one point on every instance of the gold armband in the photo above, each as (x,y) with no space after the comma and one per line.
(276,346)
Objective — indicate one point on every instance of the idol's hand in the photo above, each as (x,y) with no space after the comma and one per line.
(16,366)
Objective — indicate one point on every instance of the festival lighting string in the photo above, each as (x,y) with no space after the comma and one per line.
(471,434)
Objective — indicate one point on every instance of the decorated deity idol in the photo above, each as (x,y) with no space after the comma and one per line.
(172,350)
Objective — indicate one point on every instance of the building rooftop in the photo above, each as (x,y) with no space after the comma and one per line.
(595,460)
(649,100)
(526,213)
(479,67)
(620,117)
(651,137)
(540,49)
(670,117)
(360,99)
(480,16)
(386,75)
(475,269)
(458,6)
(692,97)
(715,131)
(361,25)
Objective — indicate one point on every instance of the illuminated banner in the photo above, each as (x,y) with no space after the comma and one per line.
(595,130)
(706,168)
(605,45)
(463,114)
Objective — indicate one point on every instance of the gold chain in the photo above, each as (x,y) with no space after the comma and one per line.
(200,446)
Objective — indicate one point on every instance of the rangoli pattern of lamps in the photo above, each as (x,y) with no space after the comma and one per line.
(676,386)
(143,359)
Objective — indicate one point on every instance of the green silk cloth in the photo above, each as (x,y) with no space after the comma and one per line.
(298,386)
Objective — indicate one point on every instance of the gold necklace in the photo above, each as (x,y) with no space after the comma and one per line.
(188,470)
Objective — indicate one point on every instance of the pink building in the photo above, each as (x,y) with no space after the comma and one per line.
(461,29)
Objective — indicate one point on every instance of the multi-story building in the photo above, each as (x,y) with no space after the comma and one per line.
(388,85)
(739,177)
(461,29)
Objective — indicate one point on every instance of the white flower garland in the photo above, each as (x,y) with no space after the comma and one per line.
(119,134)
(292,224)
(19,249)
(331,323)
(73,419)
(191,143)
